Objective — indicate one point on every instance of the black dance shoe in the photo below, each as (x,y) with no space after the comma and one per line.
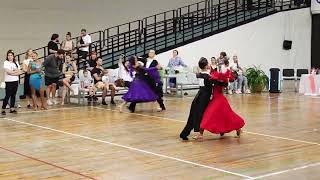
(104,103)
(184,138)
(13,111)
(131,109)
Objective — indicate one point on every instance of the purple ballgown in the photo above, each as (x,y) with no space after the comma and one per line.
(139,90)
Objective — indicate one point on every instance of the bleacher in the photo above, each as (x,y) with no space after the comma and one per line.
(174,28)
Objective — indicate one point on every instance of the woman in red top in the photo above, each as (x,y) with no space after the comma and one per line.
(218,117)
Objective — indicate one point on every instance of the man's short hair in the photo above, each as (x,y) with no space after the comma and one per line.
(60,51)
(203,62)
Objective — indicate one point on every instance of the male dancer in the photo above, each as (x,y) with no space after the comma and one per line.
(201,100)
(155,83)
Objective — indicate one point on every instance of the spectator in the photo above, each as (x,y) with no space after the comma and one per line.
(124,73)
(35,72)
(86,84)
(214,63)
(53,44)
(92,62)
(17,104)
(109,83)
(27,60)
(68,45)
(53,74)
(70,71)
(223,68)
(242,81)
(220,60)
(83,44)
(11,78)
(176,60)
(97,73)
(174,63)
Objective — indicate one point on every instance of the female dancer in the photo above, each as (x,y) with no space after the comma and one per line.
(69,69)
(219,117)
(200,102)
(139,90)
(36,81)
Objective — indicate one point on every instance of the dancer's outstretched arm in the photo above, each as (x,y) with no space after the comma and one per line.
(219,83)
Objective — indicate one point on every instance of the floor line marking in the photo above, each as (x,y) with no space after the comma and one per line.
(287,170)
(47,163)
(260,134)
(131,148)
(48,110)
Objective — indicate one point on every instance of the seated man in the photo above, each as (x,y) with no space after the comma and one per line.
(98,73)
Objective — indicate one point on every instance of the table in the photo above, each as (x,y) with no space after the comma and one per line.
(309,84)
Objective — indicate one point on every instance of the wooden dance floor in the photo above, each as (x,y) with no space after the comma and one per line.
(281,140)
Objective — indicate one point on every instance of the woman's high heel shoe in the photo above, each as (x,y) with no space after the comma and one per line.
(239,132)
(198,137)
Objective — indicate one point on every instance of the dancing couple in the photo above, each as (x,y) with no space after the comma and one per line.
(215,115)
(146,86)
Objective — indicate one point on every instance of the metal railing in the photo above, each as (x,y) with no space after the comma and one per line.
(174,28)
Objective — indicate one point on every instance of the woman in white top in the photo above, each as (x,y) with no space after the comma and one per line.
(124,73)
(242,81)
(11,78)
(25,65)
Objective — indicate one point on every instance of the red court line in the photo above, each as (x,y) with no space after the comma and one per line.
(48,163)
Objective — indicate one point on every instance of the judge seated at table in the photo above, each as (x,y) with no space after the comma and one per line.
(174,64)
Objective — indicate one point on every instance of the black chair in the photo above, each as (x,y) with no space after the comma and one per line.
(300,72)
(288,74)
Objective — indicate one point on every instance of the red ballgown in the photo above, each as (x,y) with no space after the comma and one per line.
(218,116)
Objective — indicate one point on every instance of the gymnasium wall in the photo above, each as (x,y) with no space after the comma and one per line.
(258,43)
(30,23)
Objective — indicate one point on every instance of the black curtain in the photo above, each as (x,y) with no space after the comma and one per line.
(315,41)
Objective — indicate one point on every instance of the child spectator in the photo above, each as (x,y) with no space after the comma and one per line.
(86,84)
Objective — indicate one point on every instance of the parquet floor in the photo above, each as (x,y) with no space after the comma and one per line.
(280,141)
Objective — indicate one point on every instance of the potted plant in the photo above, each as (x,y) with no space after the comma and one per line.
(257,79)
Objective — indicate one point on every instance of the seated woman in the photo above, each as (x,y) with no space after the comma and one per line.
(68,45)
(107,80)
(123,73)
(174,63)
(69,70)
(36,81)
